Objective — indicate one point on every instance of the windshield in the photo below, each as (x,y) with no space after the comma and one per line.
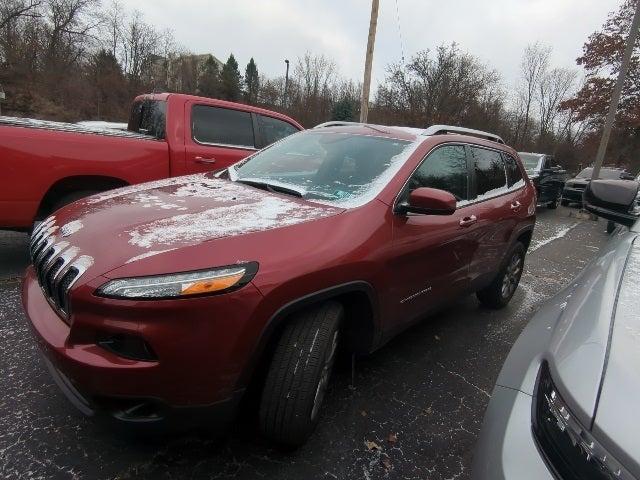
(148,117)
(530,161)
(338,168)
(605,173)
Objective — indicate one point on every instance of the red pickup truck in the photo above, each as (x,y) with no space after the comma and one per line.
(46,165)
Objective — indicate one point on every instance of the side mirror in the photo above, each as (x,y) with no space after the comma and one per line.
(612,199)
(429,201)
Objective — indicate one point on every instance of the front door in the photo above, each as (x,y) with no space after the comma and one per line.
(432,252)
(218,138)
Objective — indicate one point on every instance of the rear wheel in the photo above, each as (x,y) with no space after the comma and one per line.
(499,292)
(299,374)
(564,203)
(554,203)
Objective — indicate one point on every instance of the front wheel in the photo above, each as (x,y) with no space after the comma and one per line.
(299,374)
(554,204)
(499,292)
(564,203)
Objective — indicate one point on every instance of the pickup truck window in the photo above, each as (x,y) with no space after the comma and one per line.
(222,126)
(272,129)
(149,118)
(491,178)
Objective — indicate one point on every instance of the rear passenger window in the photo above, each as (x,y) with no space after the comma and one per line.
(491,178)
(446,169)
(221,126)
(272,129)
(514,175)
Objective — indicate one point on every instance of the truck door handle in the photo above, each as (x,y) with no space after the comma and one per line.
(467,221)
(515,205)
(205,160)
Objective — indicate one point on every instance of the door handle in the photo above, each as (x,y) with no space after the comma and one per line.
(515,205)
(467,221)
(205,160)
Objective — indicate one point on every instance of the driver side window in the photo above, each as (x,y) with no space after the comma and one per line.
(445,169)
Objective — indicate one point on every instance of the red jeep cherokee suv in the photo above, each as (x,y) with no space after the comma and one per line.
(163,298)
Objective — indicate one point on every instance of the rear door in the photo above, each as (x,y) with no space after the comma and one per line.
(432,252)
(217,137)
(498,205)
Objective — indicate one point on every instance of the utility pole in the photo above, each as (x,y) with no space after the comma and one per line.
(617,91)
(366,85)
(286,83)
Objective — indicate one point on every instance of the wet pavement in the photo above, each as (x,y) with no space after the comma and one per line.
(413,412)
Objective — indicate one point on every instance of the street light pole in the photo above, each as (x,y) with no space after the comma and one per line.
(286,83)
(617,91)
(366,85)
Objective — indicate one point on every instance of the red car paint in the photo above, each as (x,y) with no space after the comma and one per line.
(394,267)
(44,161)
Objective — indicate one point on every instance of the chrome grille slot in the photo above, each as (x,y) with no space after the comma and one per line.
(57,265)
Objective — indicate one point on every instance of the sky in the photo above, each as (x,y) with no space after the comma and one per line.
(270,31)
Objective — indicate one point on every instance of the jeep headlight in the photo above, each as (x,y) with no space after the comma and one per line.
(177,285)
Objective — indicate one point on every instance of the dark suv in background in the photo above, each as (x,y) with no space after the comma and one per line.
(547,176)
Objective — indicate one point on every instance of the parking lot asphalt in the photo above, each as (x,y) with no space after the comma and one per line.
(414,410)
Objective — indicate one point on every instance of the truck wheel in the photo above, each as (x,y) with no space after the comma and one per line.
(70,198)
(554,204)
(499,292)
(299,374)
(564,203)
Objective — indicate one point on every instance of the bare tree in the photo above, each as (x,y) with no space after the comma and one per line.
(554,87)
(533,67)
(11,10)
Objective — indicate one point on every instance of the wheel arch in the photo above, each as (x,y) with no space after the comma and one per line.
(67,185)
(362,324)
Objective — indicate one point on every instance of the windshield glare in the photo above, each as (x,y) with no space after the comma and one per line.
(530,161)
(605,173)
(333,167)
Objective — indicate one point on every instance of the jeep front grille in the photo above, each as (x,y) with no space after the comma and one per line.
(58,265)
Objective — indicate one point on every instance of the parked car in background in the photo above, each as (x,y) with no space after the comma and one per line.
(173,297)
(547,176)
(575,187)
(565,403)
(49,164)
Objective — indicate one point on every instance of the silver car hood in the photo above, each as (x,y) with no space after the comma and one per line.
(617,420)
(579,344)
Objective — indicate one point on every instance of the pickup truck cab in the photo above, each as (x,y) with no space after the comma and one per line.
(49,164)
(547,176)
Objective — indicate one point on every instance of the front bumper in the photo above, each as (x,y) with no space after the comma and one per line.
(200,356)
(572,194)
(506,448)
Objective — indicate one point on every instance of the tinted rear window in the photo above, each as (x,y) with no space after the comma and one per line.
(148,117)
(490,172)
(222,126)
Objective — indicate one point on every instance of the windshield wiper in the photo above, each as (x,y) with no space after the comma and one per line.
(272,187)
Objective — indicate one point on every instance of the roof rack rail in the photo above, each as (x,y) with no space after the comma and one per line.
(338,123)
(443,129)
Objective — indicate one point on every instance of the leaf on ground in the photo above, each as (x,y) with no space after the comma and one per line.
(386,463)
(363,413)
(372,445)
(392,438)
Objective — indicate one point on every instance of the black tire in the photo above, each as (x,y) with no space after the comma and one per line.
(611,226)
(298,375)
(499,292)
(554,204)
(564,203)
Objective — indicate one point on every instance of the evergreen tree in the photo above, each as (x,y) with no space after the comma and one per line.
(344,110)
(209,82)
(252,82)
(231,80)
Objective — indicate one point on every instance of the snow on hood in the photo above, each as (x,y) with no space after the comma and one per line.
(155,217)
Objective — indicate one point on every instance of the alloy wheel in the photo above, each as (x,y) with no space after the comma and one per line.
(511,275)
(323,382)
